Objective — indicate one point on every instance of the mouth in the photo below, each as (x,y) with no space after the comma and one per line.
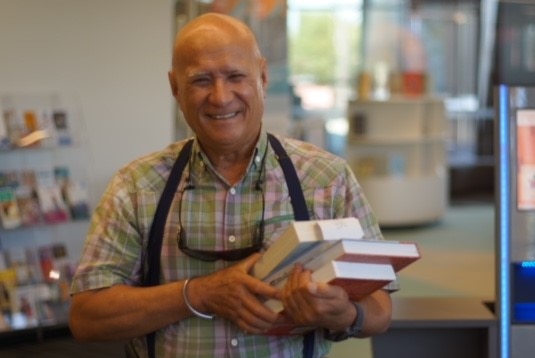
(224,116)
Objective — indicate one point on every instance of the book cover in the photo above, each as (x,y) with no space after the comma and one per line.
(46,262)
(30,212)
(44,177)
(17,260)
(56,267)
(60,119)
(62,175)
(302,236)
(77,199)
(9,178)
(35,128)
(14,126)
(33,264)
(53,207)
(23,306)
(47,128)
(9,209)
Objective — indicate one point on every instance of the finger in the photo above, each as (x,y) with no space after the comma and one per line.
(323,290)
(298,300)
(295,277)
(257,307)
(248,263)
(254,317)
(258,287)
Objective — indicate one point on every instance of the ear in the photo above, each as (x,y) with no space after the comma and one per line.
(264,75)
(172,83)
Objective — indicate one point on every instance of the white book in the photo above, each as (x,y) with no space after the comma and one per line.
(396,253)
(356,278)
(302,236)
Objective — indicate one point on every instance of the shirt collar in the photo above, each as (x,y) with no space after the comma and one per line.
(199,162)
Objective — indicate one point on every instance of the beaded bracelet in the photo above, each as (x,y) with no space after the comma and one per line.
(190,307)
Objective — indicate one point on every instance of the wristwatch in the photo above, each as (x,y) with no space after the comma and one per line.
(351,331)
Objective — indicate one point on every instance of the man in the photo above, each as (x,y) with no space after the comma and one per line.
(231,195)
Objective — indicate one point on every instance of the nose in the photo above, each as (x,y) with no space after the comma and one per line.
(221,93)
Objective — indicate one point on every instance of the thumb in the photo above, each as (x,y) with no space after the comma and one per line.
(320,289)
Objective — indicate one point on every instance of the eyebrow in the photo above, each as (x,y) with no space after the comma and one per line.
(196,74)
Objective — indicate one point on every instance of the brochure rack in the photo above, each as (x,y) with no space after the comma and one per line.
(44,209)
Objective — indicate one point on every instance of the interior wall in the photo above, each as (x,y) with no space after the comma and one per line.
(108,58)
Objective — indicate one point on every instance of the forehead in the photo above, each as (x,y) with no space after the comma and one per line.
(204,54)
(213,38)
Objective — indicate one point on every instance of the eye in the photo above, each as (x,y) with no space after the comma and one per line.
(201,81)
(236,77)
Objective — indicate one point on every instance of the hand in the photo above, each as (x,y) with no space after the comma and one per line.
(316,304)
(232,293)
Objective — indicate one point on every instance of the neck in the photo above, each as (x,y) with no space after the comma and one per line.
(233,163)
(232,170)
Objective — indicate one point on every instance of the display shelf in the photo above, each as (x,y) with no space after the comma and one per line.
(44,208)
(406,201)
(397,150)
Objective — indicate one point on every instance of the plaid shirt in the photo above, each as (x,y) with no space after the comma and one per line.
(214,216)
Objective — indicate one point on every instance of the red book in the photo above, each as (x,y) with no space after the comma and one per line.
(397,254)
(358,279)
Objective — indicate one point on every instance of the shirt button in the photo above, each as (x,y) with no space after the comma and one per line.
(257,159)
(232,238)
(232,191)
(234,342)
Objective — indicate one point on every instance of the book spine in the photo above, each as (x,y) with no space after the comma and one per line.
(308,259)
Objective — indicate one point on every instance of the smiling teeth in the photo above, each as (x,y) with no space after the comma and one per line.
(225,116)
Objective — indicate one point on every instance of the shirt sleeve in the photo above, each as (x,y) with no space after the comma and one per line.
(113,248)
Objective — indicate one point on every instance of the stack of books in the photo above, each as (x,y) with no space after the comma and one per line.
(336,253)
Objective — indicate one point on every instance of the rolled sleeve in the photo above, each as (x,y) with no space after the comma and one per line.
(113,248)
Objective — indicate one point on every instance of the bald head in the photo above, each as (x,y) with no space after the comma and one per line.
(219,80)
(213,28)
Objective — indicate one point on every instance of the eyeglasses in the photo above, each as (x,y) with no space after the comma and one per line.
(226,255)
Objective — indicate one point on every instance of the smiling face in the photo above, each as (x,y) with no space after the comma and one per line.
(219,80)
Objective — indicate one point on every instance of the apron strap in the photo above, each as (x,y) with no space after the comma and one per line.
(154,247)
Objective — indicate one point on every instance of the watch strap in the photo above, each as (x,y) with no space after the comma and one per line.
(352,331)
